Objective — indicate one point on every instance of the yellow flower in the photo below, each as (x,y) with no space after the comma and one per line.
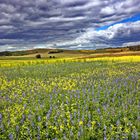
(127,130)
(120,127)
(55,128)
(68,125)
(61,127)
(125,119)
(81,123)
(93,123)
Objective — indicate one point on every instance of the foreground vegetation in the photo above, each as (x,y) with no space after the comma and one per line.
(70,99)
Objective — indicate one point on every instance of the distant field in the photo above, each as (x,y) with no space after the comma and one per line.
(70,98)
(73,54)
(45,56)
(8,62)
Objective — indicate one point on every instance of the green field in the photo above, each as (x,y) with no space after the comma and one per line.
(70,99)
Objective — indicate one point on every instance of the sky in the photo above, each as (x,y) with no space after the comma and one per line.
(68,24)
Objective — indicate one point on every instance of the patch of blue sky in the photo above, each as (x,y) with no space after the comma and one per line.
(131,19)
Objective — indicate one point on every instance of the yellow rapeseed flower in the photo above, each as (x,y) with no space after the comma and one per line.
(81,123)
(93,123)
(127,130)
(55,128)
(61,127)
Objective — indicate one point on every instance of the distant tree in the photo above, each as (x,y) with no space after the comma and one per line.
(50,56)
(53,56)
(38,56)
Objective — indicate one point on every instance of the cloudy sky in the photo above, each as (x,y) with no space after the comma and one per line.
(71,24)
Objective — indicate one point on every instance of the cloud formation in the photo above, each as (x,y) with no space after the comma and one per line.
(68,24)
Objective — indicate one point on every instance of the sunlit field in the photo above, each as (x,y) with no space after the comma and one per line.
(70,99)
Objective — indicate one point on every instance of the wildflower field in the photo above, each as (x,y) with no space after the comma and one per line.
(81,99)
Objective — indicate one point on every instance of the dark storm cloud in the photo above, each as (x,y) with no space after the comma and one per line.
(64,22)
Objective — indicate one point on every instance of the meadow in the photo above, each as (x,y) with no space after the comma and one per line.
(70,99)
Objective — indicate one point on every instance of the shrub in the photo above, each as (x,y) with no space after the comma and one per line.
(38,56)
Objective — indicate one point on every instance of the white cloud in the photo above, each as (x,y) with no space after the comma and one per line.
(130,43)
(117,30)
(107,10)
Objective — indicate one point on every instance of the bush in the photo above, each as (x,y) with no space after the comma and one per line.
(38,56)
(51,56)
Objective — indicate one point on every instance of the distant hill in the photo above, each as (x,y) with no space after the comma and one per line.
(24,52)
(54,51)
(37,51)
(134,48)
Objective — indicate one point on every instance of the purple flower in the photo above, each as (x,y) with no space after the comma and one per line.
(79,134)
(49,113)
(105,138)
(99,110)
(38,136)
(32,124)
(2,127)
(64,136)
(29,116)
(83,117)
(0,117)
(136,135)
(118,122)
(70,117)
(75,115)
(71,133)
(17,128)
(89,116)
(133,136)
(89,124)
(54,139)
(25,105)
(11,137)
(39,118)
(23,119)
(28,130)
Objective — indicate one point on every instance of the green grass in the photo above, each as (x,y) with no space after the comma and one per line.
(70,100)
